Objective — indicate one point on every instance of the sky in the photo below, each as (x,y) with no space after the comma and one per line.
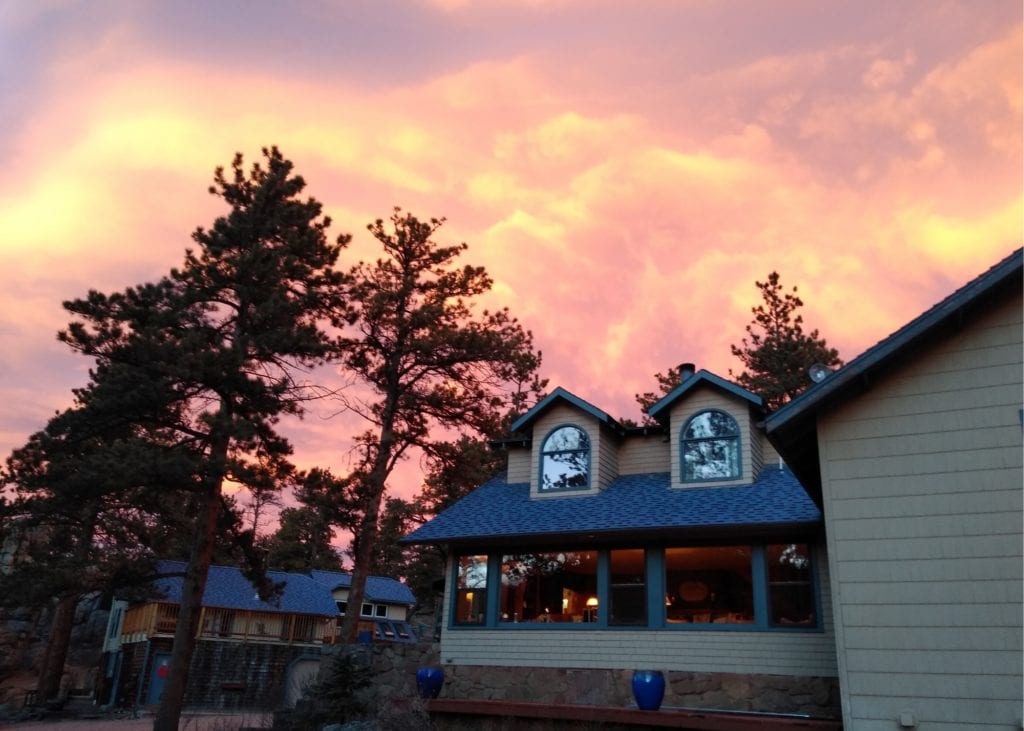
(624,171)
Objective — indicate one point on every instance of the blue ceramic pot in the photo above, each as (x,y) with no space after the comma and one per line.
(648,689)
(429,681)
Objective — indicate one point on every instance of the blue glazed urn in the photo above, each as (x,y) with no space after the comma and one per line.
(648,689)
(429,682)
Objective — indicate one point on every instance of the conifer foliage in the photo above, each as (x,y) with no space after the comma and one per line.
(206,360)
(777,353)
(428,359)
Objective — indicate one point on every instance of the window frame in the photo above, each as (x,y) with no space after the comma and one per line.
(684,442)
(544,451)
(655,568)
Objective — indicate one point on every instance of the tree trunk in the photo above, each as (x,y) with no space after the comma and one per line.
(52,670)
(367,538)
(194,584)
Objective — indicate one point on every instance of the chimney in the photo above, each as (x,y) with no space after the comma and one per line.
(686,370)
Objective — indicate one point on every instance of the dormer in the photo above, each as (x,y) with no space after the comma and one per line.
(573,446)
(715,440)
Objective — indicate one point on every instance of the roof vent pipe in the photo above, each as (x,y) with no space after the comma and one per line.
(685,371)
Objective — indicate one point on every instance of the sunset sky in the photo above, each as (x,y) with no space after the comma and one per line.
(624,170)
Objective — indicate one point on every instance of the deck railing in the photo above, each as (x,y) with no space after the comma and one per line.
(147,620)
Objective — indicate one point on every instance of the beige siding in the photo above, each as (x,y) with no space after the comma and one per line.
(600,464)
(644,455)
(518,466)
(779,653)
(708,398)
(922,489)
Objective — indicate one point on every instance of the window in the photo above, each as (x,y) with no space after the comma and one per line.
(709,585)
(710,447)
(366,610)
(380,610)
(549,587)
(342,607)
(790,589)
(628,587)
(471,590)
(565,460)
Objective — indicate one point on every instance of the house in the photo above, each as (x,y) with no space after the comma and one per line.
(855,553)
(913,452)
(245,646)
(684,547)
(385,608)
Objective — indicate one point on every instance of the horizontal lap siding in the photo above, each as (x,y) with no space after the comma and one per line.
(923,500)
(644,455)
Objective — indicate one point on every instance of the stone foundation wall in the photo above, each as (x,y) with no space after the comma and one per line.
(394,677)
(814,696)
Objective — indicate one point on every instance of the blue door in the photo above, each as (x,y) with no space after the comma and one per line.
(158,677)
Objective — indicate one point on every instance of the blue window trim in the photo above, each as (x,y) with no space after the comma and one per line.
(656,614)
(540,466)
(683,442)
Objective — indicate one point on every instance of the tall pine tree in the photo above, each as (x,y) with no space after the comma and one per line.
(428,359)
(777,352)
(220,342)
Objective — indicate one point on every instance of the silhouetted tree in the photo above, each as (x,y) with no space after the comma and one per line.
(778,353)
(219,343)
(428,360)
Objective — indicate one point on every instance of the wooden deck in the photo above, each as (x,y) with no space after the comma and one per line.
(619,717)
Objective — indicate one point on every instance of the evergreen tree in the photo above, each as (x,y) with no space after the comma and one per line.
(427,359)
(218,344)
(666,382)
(778,353)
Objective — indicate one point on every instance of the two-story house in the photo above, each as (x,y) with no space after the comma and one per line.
(685,547)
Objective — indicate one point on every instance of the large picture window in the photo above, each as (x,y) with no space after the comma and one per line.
(627,591)
(710,447)
(790,587)
(709,585)
(565,460)
(471,590)
(549,587)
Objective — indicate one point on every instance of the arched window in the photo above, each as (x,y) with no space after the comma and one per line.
(565,460)
(710,447)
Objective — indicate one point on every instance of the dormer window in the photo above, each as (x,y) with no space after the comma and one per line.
(710,447)
(565,460)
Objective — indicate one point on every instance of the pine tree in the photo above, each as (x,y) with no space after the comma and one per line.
(778,352)
(215,348)
(428,360)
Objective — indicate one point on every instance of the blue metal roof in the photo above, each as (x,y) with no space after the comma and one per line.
(560,394)
(378,588)
(702,376)
(227,588)
(634,503)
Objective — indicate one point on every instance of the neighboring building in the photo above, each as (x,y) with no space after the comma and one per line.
(887,581)
(245,644)
(685,547)
(385,609)
(913,450)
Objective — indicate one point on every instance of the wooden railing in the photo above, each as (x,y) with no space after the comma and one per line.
(144,621)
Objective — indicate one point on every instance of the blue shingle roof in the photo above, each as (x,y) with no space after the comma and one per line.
(634,503)
(378,588)
(227,588)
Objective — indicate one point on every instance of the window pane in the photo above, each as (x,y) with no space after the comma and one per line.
(367,610)
(790,589)
(711,447)
(709,585)
(565,459)
(628,590)
(380,610)
(549,587)
(471,590)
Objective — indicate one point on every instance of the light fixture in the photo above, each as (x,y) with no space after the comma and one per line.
(592,601)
